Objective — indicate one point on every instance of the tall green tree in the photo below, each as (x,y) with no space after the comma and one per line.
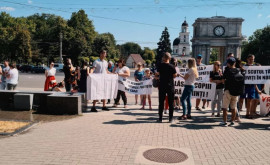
(148,54)
(259,45)
(84,35)
(107,42)
(164,45)
(130,48)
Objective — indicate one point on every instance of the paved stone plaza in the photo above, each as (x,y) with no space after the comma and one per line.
(116,137)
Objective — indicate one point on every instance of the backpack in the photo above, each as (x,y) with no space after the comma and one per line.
(237,81)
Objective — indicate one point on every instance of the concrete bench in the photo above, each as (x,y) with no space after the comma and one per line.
(6,99)
(58,103)
(64,103)
(23,101)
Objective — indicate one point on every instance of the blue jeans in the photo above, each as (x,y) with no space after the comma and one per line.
(187,93)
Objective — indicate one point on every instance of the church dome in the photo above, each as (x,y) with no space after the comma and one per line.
(184,23)
(176,41)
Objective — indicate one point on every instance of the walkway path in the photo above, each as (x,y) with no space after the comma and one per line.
(115,137)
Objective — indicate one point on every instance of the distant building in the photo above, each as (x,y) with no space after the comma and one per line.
(181,45)
(133,60)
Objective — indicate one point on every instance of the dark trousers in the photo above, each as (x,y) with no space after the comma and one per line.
(161,96)
(123,95)
(68,86)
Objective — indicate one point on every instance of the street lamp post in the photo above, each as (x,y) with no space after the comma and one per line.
(61,38)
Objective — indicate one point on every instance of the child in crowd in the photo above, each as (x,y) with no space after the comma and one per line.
(147,76)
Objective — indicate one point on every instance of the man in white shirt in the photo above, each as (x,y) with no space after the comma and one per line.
(3,84)
(12,77)
(100,66)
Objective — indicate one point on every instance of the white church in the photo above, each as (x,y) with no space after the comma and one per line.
(181,45)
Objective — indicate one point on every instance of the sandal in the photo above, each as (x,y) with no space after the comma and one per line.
(183,117)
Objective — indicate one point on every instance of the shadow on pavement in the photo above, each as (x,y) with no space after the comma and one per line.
(253,126)
(124,122)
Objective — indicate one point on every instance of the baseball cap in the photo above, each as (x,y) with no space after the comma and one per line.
(199,56)
(146,69)
(231,60)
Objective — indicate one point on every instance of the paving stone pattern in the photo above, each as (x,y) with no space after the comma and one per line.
(114,138)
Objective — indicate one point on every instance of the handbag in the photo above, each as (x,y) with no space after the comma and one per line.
(156,83)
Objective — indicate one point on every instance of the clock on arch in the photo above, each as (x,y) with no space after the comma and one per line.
(219,31)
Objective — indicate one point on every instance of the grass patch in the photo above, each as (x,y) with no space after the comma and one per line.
(11,126)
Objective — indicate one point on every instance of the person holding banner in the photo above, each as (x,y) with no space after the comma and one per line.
(259,89)
(147,76)
(123,72)
(174,62)
(249,94)
(100,66)
(167,73)
(216,77)
(190,78)
(199,63)
(138,75)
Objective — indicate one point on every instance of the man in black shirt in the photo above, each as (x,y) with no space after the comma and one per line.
(166,73)
(234,85)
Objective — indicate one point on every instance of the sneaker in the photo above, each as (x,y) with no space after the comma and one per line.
(223,124)
(203,107)
(189,117)
(93,109)
(159,121)
(213,115)
(166,111)
(231,124)
(218,115)
(105,109)
(198,109)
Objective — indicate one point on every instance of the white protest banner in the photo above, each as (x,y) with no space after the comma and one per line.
(202,90)
(264,104)
(134,87)
(204,72)
(257,74)
(102,86)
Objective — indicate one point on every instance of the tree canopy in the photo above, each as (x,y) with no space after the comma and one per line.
(164,45)
(259,45)
(35,39)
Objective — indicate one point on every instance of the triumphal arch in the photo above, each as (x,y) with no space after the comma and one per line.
(224,34)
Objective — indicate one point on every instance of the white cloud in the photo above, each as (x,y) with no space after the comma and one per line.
(30,2)
(259,15)
(7,8)
(268,16)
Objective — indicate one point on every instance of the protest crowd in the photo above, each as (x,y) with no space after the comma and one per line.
(227,86)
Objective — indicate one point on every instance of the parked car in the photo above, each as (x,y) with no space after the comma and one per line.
(26,68)
(38,69)
(58,67)
(18,66)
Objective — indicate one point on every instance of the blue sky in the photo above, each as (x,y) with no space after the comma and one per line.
(158,13)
